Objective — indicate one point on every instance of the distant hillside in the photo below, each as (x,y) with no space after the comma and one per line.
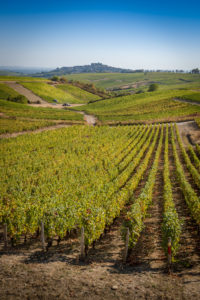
(9,73)
(93,68)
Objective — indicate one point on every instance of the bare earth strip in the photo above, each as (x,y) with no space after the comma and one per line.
(190,132)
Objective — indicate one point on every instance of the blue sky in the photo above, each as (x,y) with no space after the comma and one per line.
(129,34)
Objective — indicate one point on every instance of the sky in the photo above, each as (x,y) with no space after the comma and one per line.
(129,34)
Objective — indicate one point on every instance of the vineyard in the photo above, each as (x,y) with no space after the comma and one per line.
(86,178)
(159,106)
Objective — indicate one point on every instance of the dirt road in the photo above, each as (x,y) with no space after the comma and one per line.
(190,132)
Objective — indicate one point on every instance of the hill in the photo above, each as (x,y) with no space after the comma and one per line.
(92,68)
(146,107)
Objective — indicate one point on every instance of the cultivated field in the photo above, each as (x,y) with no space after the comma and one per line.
(158,106)
(74,199)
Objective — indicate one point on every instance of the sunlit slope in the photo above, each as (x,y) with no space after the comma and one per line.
(6,91)
(81,95)
(146,106)
(63,93)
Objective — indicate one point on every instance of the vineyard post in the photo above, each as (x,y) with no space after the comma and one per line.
(82,257)
(42,236)
(169,252)
(5,235)
(126,246)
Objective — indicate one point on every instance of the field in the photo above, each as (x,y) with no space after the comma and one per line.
(81,95)
(18,125)
(49,92)
(139,80)
(17,117)
(156,106)
(24,111)
(72,198)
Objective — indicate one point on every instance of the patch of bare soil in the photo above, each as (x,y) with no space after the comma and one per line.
(15,134)
(190,132)
(2,115)
(89,119)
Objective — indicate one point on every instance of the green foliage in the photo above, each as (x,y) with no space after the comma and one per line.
(44,163)
(7,92)
(171,225)
(192,96)
(193,171)
(135,217)
(18,99)
(190,195)
(153,87)
(55,78)
(194,158)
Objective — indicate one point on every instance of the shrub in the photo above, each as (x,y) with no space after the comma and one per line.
(153,87)
(55,78)
(18,99)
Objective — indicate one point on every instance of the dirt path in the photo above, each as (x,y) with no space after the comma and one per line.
(89,119)
(15,134)
(190,132)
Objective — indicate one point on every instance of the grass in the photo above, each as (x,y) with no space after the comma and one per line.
(193,97)
(143,107)
(6,91)
(12,125)
(18,110)
(81,95)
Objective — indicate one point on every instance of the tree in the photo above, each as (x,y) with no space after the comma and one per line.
(55,78)
(153,87)
(195,71)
